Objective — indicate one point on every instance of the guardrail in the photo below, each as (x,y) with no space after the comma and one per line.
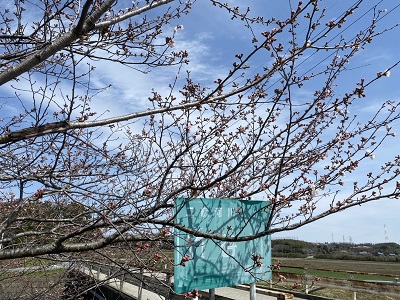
(154,282)
(125,279)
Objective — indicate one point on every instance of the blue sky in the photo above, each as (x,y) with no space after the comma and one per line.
(212,41)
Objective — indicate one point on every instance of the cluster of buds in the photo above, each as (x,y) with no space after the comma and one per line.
(257,259)
(176,28)
(170,42)
(112,205)
(193,294)
(296,285)
(281,278)
(276,266)
(165,231)
(185,259)
(385,73)
(141,247)
(330,24)
(106,219)
(39,194)
(370,154)
(156,258)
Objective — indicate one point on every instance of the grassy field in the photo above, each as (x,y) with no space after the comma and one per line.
(343,268)
(349,295)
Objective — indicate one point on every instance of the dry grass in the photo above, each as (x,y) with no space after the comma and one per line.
(33,285)
(390,292)
(392,268)
(348,295)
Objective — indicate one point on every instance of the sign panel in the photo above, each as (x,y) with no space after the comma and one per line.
(205,263)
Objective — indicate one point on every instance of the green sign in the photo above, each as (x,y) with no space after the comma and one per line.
(206,263)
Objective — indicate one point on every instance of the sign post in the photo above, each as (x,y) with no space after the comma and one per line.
(207,263)
(253,291)
(211,294)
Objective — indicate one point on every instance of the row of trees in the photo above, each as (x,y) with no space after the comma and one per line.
(295,248)
(76,179)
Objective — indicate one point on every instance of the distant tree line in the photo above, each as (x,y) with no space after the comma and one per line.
(346,251)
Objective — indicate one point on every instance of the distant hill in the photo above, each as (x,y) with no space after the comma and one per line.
(366,251)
